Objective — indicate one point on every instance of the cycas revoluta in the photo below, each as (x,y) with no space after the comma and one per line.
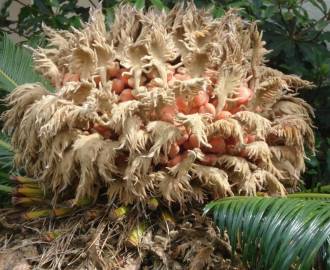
(176,106)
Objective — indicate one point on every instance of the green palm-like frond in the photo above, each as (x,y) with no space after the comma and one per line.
(309,196)
(6,165)
(4,178)
(5,188)
(275,233)
(6,153)
(16,66)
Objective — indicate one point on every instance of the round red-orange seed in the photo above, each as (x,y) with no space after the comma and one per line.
(209,159)
(218,145)
(70,77)
(244,95)
(249,138)
(126,95)
(182,104)
(167,113)
(207,108)
(118,86)
(182,77)
(131,82)
(200,99)
(223,115)
(193,141)
(174,161)
(123,77)
(174,150)
(113,70)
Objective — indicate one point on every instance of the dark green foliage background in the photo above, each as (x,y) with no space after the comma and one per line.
(298,43)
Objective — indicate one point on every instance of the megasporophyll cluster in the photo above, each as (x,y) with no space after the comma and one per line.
(177,105)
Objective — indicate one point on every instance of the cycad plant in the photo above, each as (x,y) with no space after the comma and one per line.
(164,112)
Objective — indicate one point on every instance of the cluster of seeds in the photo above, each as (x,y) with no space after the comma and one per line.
(204,102)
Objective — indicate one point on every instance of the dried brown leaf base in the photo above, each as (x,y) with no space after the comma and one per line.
(96,238)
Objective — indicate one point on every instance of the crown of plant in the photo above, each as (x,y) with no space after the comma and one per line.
(177,105)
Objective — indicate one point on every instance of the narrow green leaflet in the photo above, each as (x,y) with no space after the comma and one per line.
(159,4)
(6,153)
(6,166)
(140,4)
(16,67)
(276,233)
